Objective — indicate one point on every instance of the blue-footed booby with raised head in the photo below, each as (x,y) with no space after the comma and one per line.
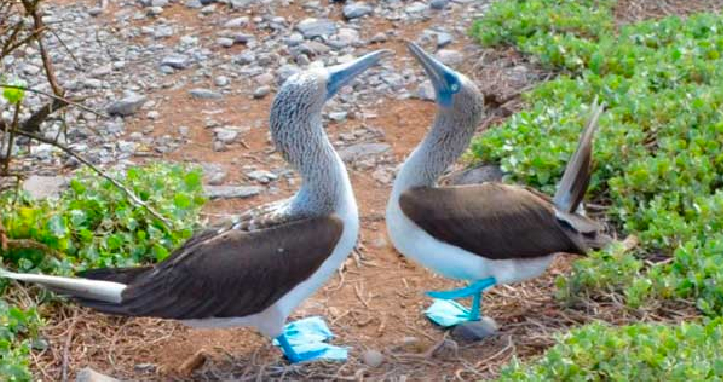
(492,233)
(256,271)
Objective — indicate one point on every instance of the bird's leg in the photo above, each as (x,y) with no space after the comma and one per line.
(476,302)
(451,313)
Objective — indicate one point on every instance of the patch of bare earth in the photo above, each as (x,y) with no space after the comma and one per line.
(376,301)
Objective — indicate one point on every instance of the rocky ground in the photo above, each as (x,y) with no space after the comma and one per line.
(192,81)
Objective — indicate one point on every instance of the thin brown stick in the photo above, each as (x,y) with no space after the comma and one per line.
(71,102)
(133,198)
(31,7)
(30,244)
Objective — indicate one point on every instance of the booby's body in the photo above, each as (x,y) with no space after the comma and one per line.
(256,271)
(493,233)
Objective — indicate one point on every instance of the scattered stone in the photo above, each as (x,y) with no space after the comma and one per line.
(362,150)
(225,42)
(486,173)
(205,94)
(373,357)
(42,187)
(380,37)
(416,7)
(443,39)
(426,92)
(226,135)
(286,71)
(450,57)
(217,178)
(438,4)
(176,61)
(193,4)
(261,176)
(473,331)
(221,81)
(338,116)
(237,22)
(231,192)
(356,9)
(244,58)
(153,114)
(262,91)
(126,106)
(311,28)
(87,374)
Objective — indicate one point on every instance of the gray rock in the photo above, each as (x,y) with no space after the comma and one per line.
(348,36)
(311,28)
(176,61)
(416,7)
(262,91)
(126,147)
(87,374)
(126,106)
(218,146)
(362,150)
(240,4)
(286,71)
(221,81)
(231,192)
(486,173)
(295,39)
(264,78)
(237,22)
(261,176)
(438,4)
(42,187)
(379,37)
(241,37)
(313,48)
(473,331)
(244,58)
(205,94)
(373,357)
(193,4)
(225,42)
(338,116)
(356,9)
(426,92)
(226,135)
(450,57)
(155,11)
(217,178)
(443,39)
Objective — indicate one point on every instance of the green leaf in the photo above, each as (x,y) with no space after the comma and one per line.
(14,94)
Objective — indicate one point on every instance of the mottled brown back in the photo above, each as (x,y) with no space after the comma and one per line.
(493,220)
(233,273)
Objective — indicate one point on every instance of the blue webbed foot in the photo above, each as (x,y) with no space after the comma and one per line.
(448,313)
(303,340)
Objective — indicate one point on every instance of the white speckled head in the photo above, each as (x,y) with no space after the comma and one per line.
(296,124)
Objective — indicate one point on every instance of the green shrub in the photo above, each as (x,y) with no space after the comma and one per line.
(92,224)
(18,328)
(659,150)
(643,352)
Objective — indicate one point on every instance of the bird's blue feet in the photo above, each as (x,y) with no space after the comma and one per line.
(303,340)
(446,313)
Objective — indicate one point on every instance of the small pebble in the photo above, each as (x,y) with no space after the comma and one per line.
(373,358)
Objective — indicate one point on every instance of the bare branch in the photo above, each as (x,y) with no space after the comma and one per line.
(31,7)
(134,199)
(71,102)
(28,244)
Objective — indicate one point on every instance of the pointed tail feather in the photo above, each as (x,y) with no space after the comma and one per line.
(573,185)
(106,291)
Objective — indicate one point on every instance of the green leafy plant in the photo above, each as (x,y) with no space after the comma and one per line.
(92,224)
(659,150)
(645,352)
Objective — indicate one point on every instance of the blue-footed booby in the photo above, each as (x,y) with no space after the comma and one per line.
(492,233)
(256,271)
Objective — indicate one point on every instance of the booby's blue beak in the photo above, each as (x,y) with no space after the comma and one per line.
(446,82)
(340,75)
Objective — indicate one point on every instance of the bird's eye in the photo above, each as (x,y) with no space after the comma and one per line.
(454,87)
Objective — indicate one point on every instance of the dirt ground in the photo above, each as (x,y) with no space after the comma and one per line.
(375,302)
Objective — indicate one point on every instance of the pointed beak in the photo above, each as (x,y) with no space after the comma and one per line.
(435,69)
(340,75)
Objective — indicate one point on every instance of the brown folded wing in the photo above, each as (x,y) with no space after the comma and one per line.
(493,220)
(230,274)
